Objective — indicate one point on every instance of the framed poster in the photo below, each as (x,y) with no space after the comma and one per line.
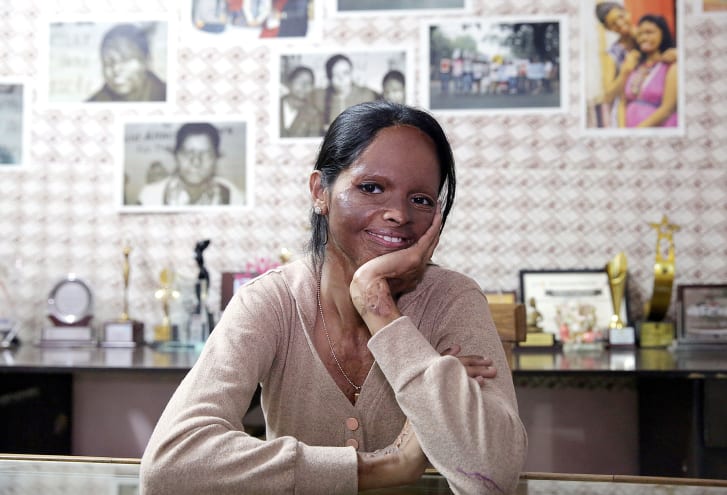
(98,61)
(495,64)
(389,7)
(313,86)
(702,314)
(14,122)
(174,164)
(570,302)
(632,67)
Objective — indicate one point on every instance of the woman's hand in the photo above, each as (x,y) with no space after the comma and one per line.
(401,463)
(478,367)
(378,281)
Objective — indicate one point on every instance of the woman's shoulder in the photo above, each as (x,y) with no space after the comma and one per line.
(443,278)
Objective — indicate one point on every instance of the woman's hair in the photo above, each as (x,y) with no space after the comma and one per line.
(195,128)
(352,132)
(603,8)
(128,32)
(301,69)
(667,41)
(330,63)
(393,75)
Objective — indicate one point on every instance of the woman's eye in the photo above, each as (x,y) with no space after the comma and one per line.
(370,188)
(423,200)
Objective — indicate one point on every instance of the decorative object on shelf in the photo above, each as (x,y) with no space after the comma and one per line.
(166,294)
(575,305)
(702,315)
(9,325)
(123,331)
(619,333)
(231,281)
(535,336)
(70,309)
(653,332)
(201,321)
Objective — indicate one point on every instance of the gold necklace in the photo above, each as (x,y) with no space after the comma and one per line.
(330,345)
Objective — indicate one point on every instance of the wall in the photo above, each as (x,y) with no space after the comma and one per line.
(534,192)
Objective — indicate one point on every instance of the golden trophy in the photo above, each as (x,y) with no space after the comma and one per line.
(653,332)
(166,294)
(618,332)
(123,331)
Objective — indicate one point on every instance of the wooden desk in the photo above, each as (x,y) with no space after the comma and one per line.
(29,475)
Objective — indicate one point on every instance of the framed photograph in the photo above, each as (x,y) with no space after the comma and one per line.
(710,7)
(632,86)
(313,87)
(702,314)
(233,23)
(108,61)
(173,164)
(570,302)
(14,122)
(495,64)
(231,281)
(389,7)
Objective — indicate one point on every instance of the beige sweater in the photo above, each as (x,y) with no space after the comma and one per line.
(472,435)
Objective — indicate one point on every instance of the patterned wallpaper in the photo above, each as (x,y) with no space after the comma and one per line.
(534,192)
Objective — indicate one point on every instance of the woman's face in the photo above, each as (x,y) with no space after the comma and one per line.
(649,37)
(302,85)
(385,200)
(341,79)
(618,21)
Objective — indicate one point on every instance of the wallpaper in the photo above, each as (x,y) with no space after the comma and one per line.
(534,190)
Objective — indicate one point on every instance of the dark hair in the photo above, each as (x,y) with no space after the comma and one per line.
(352,132)
(603,8)
(393,75)
(667,41)
(127,32)
(195,128)
(301,69)
(332,60)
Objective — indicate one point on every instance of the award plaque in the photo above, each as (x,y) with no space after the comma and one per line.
(618,332)
(653,332)
(124,331)
(70,309)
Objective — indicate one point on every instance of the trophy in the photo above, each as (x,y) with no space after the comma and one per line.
(201,321)
(653,332)
(618,332)
(123,331)
(166,294)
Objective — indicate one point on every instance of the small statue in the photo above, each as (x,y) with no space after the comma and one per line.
(535,318)
(201,321)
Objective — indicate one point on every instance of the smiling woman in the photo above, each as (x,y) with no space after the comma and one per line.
(373,361)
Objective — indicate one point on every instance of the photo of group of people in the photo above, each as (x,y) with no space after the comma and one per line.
(316,86)
(631,66)
(500,64)
(250,19)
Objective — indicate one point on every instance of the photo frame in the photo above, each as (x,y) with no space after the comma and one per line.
(389,7)
(81,57)
(154,151)
(702,314)
(710,7)
(495,64)
(233,23)
(570,302)
(306,97)
(231,281)
(614,107)
(15,98)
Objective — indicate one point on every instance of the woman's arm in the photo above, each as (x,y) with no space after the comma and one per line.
(668,101)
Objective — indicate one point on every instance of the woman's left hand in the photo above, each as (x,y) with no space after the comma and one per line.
(478,367)
(378,281)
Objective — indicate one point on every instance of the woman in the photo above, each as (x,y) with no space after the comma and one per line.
(298,116)
(353,347)
(341,92)
(650,91)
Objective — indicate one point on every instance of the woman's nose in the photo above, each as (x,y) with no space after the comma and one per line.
(397,210)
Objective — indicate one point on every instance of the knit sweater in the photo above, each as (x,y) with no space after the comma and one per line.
(471,434)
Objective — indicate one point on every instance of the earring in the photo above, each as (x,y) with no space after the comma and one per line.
(317,210)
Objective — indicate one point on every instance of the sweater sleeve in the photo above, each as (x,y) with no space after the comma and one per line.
(199,444)
(472,435)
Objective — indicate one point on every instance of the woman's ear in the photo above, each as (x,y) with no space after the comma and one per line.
(317,191)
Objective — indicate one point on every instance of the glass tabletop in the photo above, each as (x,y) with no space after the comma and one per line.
(69,475)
